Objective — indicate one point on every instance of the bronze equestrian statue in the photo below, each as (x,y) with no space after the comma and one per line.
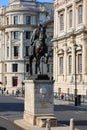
(38,48)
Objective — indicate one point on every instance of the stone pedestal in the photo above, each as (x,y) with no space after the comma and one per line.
(39,102)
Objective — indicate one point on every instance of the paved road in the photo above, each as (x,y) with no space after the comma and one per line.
(12,108)
(8,125)
(65,111)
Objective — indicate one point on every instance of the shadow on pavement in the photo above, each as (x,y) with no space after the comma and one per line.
(70,108)
(11,107)
(2,128)
(77,122)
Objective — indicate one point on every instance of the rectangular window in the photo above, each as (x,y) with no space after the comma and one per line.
(61,65)
(7,51)
(5,67)
(80,63)
(16,51)
(28,34)
(61,22)
(80,12)
(16,35)
(14,81)
(70,18)
(27,67)
(70,64)
(26,50)
(5,80)
(28,19)
(14,67)
(15,19)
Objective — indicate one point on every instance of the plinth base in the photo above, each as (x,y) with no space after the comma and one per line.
(40,120)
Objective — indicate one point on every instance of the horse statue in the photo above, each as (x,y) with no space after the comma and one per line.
(38,48)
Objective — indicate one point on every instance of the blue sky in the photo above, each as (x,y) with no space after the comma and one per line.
(5,2)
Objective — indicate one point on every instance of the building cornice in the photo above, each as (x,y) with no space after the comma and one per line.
(68,35)
(18,26)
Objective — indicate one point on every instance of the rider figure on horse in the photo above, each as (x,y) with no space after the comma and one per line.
(34,36)
(38,47)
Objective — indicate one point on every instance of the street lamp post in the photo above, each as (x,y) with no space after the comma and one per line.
(76,96)
(24,79)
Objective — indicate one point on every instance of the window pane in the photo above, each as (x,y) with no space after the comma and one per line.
(7,51)
(26,50)
(80,11)
(15,68)
(61,65)
(15,19)
(28,34)
(70,18)
(15,35)
(5,80)
(15,50)
(61,22)
(80,63)
(28,19)
(70,64)
(14,81)
(5,67)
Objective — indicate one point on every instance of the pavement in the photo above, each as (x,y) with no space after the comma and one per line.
(5,124)
(70,103)
(20,124)
(27,126)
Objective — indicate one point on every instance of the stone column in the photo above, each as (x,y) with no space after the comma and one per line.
(56,24)
(21,47)
(73,55)
(55,62)
(10,47)
(85,12)
(65,20)
(73,60)
(84,56)
(65,62)
(10,20)
(6,45)
(74,15)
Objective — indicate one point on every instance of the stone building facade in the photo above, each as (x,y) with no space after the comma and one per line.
(17,21)
(70,46)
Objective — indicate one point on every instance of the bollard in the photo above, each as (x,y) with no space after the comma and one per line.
(48,127)
(72,124)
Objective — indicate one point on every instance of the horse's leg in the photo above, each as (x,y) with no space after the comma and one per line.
(36,67)
(30,64)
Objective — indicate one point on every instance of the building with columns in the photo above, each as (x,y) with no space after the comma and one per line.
(17,21)
(70,46)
